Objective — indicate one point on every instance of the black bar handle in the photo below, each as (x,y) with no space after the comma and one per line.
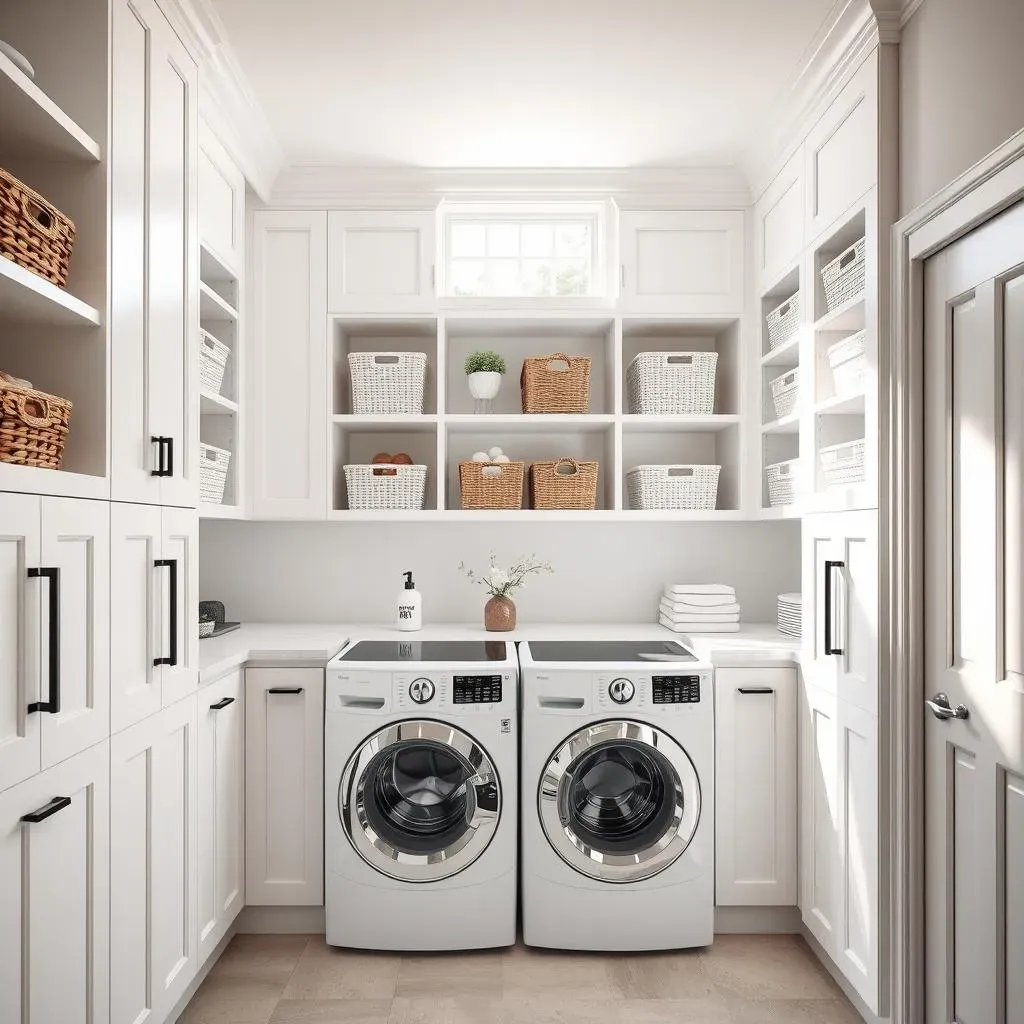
(221,704)
(161,465)
(52,576)
(285,689)
(58,803)
(172,564)
(170,456)
(756,689)
(829,566)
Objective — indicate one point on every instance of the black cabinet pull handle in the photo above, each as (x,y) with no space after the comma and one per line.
(58,803)
(223,703)
(285,689)
(51,706)
(756,689)
(161,461)
(172,564)
(829,566)
(170,456)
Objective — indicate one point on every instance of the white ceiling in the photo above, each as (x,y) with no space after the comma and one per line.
(521,83)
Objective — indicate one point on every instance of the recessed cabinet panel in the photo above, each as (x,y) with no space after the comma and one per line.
(858,664)
(780,221)
(179,582)
(221,200)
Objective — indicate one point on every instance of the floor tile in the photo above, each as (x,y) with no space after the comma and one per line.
(233,1001)
(766,967)
(569,976)
(327,973)
(426,1010)
(712,1010)
(264,957)
(453,975)
(332,1011)
(792,1011)
(556,1008)
(659,976)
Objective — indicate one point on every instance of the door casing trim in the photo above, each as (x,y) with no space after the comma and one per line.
(983,192)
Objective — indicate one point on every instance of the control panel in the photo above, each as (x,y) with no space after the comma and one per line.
(675,689)
(482,689)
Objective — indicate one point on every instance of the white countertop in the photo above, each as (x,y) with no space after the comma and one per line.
(314,644)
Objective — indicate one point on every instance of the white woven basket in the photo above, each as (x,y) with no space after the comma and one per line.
(783,482)
(672,383)
(673,487)
(785,392)
(376,487)
(848,363)
(387,383)
(213,473)
(844,277)
(213,361)
(843,463)
(783,322)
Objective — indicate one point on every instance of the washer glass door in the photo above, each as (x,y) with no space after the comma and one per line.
(619,801)
(420,801)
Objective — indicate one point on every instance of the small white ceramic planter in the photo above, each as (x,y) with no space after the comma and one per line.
(484,385)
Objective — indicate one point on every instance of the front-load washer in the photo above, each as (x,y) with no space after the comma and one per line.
(617,795)
(421,795)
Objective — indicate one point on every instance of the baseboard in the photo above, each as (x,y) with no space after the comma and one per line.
(757,921)
(837,976)
(282,921)
(175,1016)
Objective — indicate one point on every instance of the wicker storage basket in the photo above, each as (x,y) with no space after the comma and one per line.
(783,482)
(34,233)
(848,363)
(564,483)
(387,383)
(547,388)
(783,322)
(843,463)
(491,484)
(785,392)
(844,277)
(385,486)
(213,361)
(673,487)
(33,425)
(672,383)
(213,473)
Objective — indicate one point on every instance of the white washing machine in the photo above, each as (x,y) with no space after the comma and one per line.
(618,767)
(420,771)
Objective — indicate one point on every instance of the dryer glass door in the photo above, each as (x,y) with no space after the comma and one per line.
(420,801)
(619,801)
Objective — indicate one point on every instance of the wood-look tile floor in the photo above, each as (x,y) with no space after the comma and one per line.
(298,979)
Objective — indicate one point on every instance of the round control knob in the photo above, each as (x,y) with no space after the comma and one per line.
(621,691)
(421,691)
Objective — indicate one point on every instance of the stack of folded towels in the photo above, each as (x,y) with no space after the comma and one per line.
(699,608)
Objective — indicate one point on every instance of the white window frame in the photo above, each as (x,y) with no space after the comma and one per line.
(597,213)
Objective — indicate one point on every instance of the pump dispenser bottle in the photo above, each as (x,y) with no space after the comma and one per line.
(410,606)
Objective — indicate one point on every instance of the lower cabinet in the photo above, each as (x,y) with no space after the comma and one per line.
(221,808)
(284,794)
(54,882)
(756,787)
(153,799)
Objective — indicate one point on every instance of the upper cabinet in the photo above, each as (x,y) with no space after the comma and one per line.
(154,260)
(221,201)
(779,222)
(682,262)
(381,261)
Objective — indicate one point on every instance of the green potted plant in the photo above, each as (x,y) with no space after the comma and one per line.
(483,374)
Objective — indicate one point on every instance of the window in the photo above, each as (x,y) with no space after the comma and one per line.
(522,251)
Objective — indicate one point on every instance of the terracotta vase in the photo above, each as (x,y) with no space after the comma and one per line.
(500,615)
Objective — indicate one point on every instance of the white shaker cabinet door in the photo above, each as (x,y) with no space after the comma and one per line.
(20,620)
(756,787)
(54,894)
(76,543)
(288,365)
(178,600)
(381,261)
(284,787)
(153,939)
(221,826)
(221,201)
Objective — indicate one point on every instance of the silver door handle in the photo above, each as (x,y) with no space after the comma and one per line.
(940,708)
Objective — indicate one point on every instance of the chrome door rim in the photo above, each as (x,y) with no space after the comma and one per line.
(382,855)
(596,864)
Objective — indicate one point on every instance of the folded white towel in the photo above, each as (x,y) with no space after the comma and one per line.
(699,588)
(699,627)
(701,600)
(698,611)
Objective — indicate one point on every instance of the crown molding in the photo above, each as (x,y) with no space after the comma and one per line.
(226,100)
(908,10)
(338,187)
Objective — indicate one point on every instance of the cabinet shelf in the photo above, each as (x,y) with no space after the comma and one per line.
(787,425)
(35,125)
(352,421)
(841,405)
(216,405)
(210,511)
(787,354)
(850,316)
(539,515)
(656,424)
(529,424)
(213,307)
(28,298)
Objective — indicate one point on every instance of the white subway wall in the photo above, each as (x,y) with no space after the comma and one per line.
(607,572)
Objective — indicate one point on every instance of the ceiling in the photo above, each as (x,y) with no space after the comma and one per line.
(521,83)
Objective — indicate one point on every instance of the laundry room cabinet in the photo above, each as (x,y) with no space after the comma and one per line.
(153,828)
(221,201)
(55,625)
(154,260)
(154,581)
(54,885)
(284,787)
(756,787)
